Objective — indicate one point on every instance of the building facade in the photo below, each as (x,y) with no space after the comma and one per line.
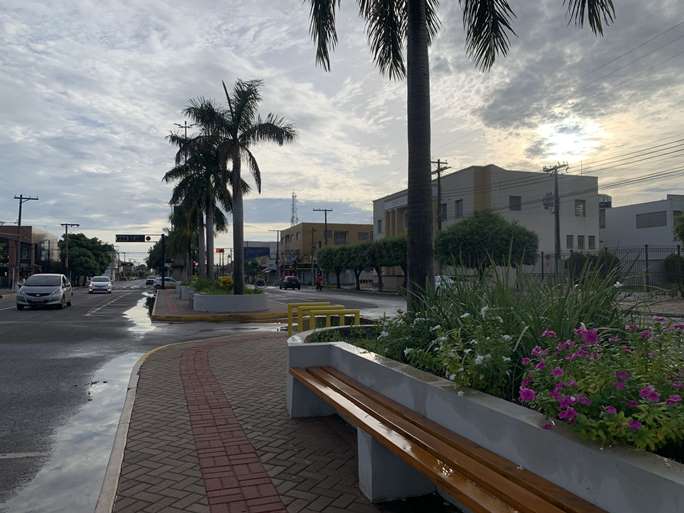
(13,238)
(638,224)
(521,196)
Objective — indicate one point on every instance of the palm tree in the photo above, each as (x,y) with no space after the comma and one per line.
(236,130)
(391,24)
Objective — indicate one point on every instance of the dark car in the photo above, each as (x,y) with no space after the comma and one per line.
(290,282)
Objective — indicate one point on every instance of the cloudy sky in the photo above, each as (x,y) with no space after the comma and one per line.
(90,88)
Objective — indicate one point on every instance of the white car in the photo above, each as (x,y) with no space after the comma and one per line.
(45,290)
(169,282)
(100,284)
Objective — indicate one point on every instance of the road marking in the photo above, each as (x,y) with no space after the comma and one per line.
(98,308)
(10,308)
(21,455)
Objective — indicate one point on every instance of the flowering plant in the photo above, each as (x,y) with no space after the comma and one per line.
(613,387)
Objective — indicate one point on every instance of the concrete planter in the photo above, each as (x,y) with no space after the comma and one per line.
(229,303)
(618,480)
(185,293)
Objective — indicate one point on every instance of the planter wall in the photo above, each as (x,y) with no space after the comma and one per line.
(185,292)
(617,480)
(229,303)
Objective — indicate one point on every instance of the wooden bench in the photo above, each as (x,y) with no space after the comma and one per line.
(479,479)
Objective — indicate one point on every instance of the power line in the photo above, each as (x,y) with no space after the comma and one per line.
(647,148)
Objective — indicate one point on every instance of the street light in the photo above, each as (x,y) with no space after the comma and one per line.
(66,246)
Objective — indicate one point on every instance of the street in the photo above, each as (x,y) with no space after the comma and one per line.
(63,377)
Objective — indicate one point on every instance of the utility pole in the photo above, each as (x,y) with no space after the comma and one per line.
(556,211)
(441,166)
(163,259)
(185,127)
(17,263)
(277,232)
(313,253)
(294,219)
(66,247)
(325,213)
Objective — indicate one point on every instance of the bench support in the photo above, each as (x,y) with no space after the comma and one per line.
(301,402)
(384,476)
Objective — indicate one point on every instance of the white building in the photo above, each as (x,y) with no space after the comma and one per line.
(522,196)
(632,226)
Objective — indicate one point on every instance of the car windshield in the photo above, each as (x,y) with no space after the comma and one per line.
(38,280)
(100,279)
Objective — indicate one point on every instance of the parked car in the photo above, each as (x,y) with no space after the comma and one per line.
(169,282)
(100,284)
(260,283)
(150,280)
(290,282)
(45,290)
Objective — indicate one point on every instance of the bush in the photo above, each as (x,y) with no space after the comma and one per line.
(612,386)
(604,264)
(674,269)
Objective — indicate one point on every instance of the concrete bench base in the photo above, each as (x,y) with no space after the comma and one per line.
(229,303)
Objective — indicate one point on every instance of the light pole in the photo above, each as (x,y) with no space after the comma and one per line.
(556,211)
(66,246)
(325,213)
(22,199)
(277,232)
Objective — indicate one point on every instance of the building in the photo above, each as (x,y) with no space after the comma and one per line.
(11,239)
(522,196)
(632,226)
(299,243)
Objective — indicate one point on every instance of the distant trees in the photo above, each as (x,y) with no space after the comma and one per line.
(87,256)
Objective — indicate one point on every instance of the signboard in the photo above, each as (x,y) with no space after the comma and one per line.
(131,238)
(220,250)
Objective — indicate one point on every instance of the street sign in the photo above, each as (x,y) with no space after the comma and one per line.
(131,238)
(220,250)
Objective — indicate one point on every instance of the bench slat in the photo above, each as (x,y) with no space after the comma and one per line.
(551,492)
(497,484)
(441,473)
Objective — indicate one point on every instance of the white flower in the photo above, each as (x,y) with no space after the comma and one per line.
(483,311)
(465,315)
(498,318)
(507,338)
(479,359)
(408,351)
(442,339)
(618,285)
(506,359)
(466,351)
(435,328)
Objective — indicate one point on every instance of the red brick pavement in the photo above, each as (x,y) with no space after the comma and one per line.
(210,433)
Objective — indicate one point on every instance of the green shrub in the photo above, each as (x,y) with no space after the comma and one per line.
(674,269)
(604,264)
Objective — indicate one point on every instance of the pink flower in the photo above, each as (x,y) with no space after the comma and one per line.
(634,424)
(619,385)
(677,384)
(646,334)
(526,381)
(569,415)
(649,393)
(623,375)
(632,403)
(674,399)
(679,326)
(570,383)
(527,395)
(610,410)
(549,334)
(566,401)
(549,426)
(540,365)
(525,360)
(538,351)
(589,336)
(660,319)
(583,400)
(557,372)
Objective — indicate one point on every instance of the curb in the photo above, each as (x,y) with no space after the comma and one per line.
(110,483)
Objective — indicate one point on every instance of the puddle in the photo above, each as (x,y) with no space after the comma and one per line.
(70,480)
(139,315)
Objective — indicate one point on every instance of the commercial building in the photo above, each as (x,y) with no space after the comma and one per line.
(299,244)
(638,224)
(521,196)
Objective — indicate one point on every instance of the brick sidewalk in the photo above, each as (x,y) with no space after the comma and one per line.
(209,433)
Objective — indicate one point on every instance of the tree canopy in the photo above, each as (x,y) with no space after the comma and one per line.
(87,256)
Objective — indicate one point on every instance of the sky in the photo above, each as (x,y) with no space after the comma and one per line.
(89,89)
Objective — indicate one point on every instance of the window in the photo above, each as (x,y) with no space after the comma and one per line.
(569,241)
(515,202)
(340,238)
(651,219)
(602,218)
(364,236)
(458,213)
(443,211)
(592,242)
(580,242)
(580,208)
(379,224)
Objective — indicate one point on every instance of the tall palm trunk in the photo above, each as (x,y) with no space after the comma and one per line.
(419,240)
(201,250)
(238,229)
(210,239)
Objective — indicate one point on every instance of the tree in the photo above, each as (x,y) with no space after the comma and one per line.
(378,258)
(679,227)
(235,131)
(332,261)
(396,251)
(486,239)
(393,24)
(87,256)
(357,259)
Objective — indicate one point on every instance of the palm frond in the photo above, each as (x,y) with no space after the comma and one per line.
(253,167)
(488,29)
(433,23)
(322,29)
(272,129)
(246,98)
(386,22)
(597,12)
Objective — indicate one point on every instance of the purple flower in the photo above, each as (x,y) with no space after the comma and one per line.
(537,351)
(614,339)
(674,399)
(588,336)
(679,326)
(540,366)
(623,375)
(583,400)
(526,381)
(570,383)
(549,426)
(660,319)
(610,410)
(634,424)
(632,403)
(527,395)
(631,327)
(525,360)
(649,393)
(557,372)
(566,401)
(677,384)
(646,334)
(549,334)
(619,385)
(569,415)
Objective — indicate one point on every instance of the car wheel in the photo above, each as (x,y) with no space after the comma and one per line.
(20,307)
(62,304)
(68,303)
